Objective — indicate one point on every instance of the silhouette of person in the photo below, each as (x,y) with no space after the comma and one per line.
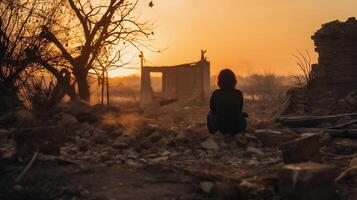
(226,106)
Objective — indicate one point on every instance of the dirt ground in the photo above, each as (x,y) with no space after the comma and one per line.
(167,154)
(58,181)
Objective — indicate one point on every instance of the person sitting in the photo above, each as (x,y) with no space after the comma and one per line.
(226,106)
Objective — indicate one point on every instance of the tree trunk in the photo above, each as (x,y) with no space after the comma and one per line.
(83,86)
(107,79)
(8,98)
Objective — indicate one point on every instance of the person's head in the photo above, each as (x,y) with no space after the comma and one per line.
(227,79)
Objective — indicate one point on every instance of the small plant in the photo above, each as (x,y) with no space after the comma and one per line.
(304,63)
(38,93)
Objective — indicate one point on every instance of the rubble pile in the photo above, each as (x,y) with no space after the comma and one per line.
(314,102)
(251,164)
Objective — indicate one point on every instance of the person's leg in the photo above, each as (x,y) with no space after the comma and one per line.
(242,124)
(211,123)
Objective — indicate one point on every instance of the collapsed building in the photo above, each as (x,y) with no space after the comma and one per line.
(178,82)
(336,44)
(333,80)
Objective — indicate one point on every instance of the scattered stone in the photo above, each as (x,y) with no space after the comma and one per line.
(116,133)
(351,98)
(209,143)
(206,187)
(99,137)
(307,181)
(255,150)
(160,159)
(24,117)
(301,150)
(155,136)
(67,120)
(119,145)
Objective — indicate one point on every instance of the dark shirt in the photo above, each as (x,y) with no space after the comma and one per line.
(226,107)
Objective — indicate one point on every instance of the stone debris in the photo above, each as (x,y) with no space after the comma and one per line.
(255,150)
(206,186)
(209,144)
(243,166)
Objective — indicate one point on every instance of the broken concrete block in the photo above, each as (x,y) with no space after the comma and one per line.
(206,187)
(307,181)
(301,150)
(209,143)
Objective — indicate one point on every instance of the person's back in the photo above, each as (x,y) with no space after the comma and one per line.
(226,106)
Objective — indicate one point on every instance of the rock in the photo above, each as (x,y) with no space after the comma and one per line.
(131,154)
(160,159)
(351,98)
(149,129)
(307,181)
(83,145)
(180,136)
(353,162)
(131,162)
(155,136)
(67,120)
(301,150)
(119,145)
(24,117)
(241,140)
(146,144)
(99,136)
(116,133)
(206,187)
(255,150)
(209,143)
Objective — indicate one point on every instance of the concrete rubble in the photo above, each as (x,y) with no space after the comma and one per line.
(249,165)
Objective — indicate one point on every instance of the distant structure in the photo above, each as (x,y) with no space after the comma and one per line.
(336,44)
(178,82)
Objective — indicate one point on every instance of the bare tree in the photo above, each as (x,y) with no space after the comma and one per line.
(99,26)
(18,42)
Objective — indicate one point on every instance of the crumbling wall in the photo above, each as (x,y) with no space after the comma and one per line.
(336,44)
(178,82)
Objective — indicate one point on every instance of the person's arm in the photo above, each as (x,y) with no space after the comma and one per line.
(212,103)
(241,101)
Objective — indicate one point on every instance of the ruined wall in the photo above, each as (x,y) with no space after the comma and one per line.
(180,81)
(336,44)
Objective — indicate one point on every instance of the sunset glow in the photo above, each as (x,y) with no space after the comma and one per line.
(249,36)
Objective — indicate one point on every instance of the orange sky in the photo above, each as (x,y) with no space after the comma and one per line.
(247,36)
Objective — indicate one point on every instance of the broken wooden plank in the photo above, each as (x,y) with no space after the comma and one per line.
(23,173)
(335,133)
(343,124)
(309,121)
(271,137)
(346,172)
